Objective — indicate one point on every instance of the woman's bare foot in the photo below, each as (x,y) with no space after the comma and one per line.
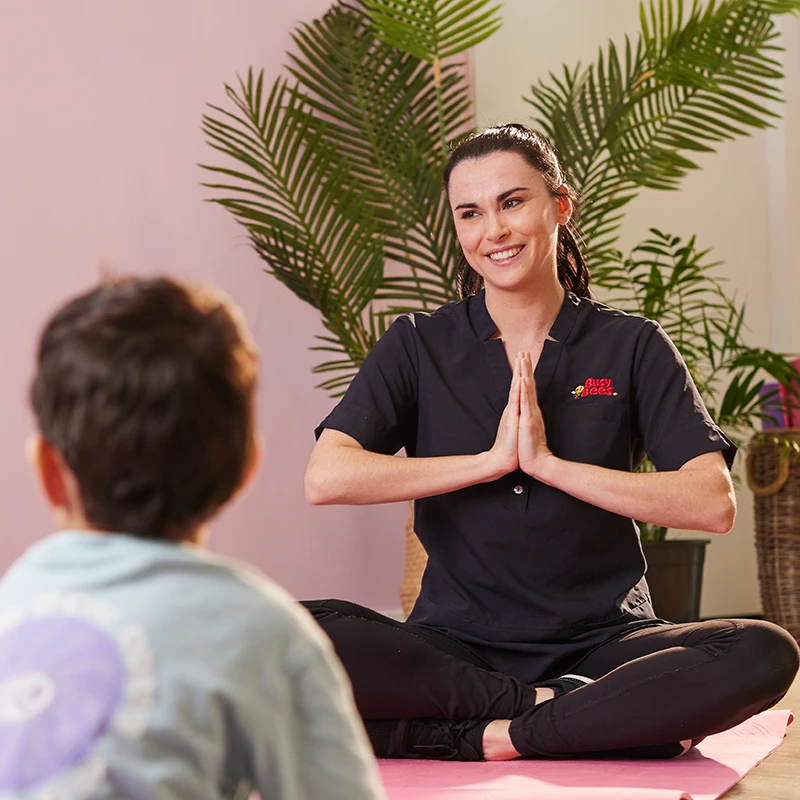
(543,694)
(497,743)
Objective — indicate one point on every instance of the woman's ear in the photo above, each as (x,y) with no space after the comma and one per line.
(564,204)
(55,480)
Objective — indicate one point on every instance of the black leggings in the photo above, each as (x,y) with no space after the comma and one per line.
(653,686)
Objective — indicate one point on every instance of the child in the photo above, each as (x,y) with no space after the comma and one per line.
(132,663)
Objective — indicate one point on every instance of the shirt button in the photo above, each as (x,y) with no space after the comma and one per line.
(518,489)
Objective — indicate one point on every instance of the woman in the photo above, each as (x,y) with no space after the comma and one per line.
(524,410)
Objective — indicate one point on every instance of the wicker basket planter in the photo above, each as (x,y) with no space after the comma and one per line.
(416,559)
(773,474)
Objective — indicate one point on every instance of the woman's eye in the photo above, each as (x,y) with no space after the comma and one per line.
(511,202)
(469,214)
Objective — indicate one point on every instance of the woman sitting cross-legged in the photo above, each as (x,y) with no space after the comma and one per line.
(524,410)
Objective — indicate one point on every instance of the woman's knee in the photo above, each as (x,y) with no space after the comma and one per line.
(323,610)
(769,657)
(319,609)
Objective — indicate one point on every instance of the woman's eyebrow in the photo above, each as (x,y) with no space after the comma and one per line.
(502,196)
(509,192)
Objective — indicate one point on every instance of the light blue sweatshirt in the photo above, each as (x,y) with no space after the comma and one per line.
(149,670)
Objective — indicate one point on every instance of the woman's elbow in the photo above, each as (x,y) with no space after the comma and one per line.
(724,514)
(727,518)
(327,474)
(316,488)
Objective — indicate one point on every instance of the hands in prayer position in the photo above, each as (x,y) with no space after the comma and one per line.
(521,440)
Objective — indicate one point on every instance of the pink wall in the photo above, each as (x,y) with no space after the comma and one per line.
(99,142)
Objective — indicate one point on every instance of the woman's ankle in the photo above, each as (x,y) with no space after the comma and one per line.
(497,741)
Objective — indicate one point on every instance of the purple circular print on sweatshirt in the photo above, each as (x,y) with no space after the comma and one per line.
(61,679)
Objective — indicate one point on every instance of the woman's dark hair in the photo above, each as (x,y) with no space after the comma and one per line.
(146,388)
(573,274)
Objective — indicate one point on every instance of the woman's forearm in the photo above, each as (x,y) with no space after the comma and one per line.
(698,496)
(345,473)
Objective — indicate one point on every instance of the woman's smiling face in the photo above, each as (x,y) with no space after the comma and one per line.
(506,220)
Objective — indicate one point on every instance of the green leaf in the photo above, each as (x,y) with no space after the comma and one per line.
(694,77)
(339,174)
(336,177)
(432,30)
(673,282)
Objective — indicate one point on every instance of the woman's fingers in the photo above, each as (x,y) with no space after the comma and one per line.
(506,440)
(532,441)
(516,380)
(510,417)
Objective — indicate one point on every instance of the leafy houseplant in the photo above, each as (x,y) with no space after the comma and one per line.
(336,173)
(671,281)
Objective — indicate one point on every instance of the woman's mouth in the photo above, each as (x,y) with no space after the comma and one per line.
(505,255)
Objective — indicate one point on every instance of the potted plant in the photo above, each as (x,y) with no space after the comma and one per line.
(336,174)
(672,281)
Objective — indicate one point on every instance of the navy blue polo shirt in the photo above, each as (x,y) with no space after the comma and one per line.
(527,574)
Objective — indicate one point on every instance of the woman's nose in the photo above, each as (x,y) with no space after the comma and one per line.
(497,227)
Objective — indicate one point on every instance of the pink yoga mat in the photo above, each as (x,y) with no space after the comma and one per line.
(705,773)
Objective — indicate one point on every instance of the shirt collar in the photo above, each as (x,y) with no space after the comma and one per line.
(485,328)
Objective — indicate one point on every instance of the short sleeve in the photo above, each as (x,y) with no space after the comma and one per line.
(669,413)
(379,409)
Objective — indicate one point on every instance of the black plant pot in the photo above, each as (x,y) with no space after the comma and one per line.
(675,577)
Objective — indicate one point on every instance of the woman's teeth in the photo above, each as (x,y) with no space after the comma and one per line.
(504,254)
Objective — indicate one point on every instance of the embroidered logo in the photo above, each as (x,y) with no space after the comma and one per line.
(594,386)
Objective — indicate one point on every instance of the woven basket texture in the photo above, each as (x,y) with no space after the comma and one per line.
(773,473)
(416,559)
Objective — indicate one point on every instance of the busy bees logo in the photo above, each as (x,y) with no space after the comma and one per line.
(592,386)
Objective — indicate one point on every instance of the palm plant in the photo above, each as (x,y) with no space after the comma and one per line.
(339,171)
(673,282)
(337,176)
(635,118)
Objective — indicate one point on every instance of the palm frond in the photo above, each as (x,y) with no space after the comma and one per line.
(674,282)
(381,108)
(378,102)
(295,197)
(433,30)
(635,118)
(337,177)
(340,172)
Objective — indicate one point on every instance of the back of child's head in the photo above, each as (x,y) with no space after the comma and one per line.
(146,389)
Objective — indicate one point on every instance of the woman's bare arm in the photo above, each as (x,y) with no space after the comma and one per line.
(341,471)
(698,496)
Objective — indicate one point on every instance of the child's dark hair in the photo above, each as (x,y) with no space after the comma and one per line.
(146,388)
(573,273)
